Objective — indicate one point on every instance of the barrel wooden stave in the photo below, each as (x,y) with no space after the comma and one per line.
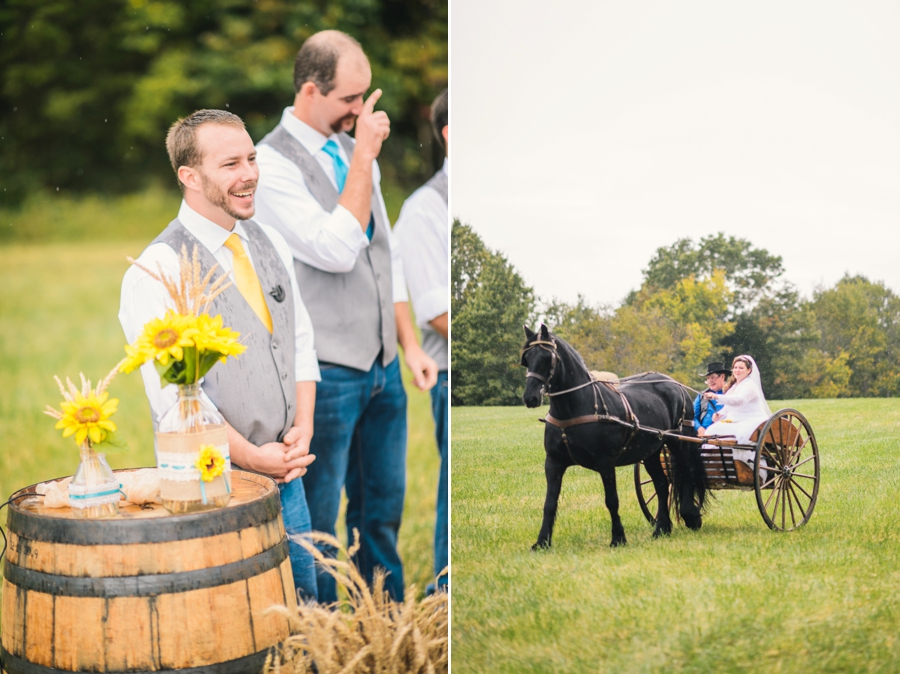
(70,611)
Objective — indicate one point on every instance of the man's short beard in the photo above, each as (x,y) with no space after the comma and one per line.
(338,126)
(217,198)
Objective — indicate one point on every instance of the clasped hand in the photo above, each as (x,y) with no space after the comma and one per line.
(287,460)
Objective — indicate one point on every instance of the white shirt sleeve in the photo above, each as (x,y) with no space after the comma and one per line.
(422,233)
(327,241)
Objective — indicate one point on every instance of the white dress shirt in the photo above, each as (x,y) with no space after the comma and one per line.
(144,298)
(327,241)
(423,232)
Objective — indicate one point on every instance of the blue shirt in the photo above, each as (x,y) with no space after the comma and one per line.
(704,410)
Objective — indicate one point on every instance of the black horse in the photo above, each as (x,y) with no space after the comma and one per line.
(600,426)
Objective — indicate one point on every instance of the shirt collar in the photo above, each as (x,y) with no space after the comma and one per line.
(311,139)
(446,167)
(206,231)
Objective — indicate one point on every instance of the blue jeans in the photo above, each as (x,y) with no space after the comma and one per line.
(295,513)
(360,444)
(441,411)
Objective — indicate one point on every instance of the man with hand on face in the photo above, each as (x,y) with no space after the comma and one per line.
(321,190)
(704,408)
(267,394)
(423,230)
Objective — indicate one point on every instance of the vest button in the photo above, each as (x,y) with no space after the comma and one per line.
(283,376)
(274,345)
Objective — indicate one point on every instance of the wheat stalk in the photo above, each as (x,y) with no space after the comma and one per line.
(190,293)
(368,632)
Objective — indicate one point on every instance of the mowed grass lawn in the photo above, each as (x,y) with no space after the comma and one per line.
(732,597)
(59,315)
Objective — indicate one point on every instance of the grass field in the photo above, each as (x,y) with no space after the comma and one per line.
(733,597)
(58,315)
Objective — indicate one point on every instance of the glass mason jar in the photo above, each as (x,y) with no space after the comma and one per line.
(190,428)
(94,490)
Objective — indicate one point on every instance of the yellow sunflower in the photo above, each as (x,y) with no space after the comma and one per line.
(162,338)
(212,337)
(210,463)
(88,417)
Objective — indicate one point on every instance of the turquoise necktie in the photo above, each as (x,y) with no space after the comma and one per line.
(340,175)
(340,168)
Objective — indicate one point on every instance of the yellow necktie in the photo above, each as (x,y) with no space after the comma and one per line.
(247,282)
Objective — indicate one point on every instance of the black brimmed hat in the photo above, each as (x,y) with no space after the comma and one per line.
(716,368)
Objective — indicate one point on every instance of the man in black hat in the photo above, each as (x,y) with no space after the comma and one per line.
(704,409)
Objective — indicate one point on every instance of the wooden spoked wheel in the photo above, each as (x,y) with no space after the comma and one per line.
(786,471)
(646,492)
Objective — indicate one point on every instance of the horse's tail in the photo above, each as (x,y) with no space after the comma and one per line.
(687,466)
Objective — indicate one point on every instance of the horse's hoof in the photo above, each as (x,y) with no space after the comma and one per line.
(540,546)
(693,522)
(659,532)
(618,542)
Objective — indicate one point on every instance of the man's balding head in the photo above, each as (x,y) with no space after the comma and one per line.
(317,60)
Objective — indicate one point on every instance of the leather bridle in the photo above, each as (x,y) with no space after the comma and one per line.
(554,359)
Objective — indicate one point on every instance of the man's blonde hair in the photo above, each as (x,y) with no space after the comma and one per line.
(181,141)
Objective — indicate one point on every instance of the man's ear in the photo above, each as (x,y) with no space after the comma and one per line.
(308,90)
(189,178)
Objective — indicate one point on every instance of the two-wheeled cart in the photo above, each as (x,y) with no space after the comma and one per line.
(784,473)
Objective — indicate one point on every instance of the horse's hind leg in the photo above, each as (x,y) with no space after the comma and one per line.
(554,470)
(661,485)
(612,504)
(690,481)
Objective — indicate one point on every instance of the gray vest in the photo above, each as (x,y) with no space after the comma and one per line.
(352,313)
(433,343)
(256,392)
(439,183)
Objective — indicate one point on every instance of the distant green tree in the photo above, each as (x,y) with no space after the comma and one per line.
(750,273)
(489,305)
(90,88)
(859,323)
(779,332)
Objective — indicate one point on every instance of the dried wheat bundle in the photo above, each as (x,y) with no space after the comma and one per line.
(369,632)
(191,294)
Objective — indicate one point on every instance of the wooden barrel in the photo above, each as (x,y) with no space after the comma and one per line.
(146,591)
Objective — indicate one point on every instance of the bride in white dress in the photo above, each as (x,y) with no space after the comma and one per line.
(745,406)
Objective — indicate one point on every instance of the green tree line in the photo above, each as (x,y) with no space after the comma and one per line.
(699,301)
(90,88)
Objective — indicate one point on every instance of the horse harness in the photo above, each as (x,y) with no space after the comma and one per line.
(631,420)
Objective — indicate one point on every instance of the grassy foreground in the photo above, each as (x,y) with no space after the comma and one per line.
(58,315)
(733,597)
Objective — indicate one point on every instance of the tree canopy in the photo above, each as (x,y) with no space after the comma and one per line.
(489,305)
(699,302)
(90,88)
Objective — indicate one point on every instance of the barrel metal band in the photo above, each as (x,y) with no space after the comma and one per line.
(249,663)
(149,585)
(51,529)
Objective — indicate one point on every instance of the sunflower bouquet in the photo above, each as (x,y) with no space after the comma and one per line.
(192,440)
(85,413)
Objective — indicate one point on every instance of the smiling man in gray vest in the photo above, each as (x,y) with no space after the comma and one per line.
(423,230)
(322,192)
(268,393)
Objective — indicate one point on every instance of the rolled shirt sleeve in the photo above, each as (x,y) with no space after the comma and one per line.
(423,235)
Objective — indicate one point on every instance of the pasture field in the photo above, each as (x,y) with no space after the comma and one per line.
(732,597)
(59,315)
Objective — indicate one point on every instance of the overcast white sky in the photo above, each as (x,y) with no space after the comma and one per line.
(588,134)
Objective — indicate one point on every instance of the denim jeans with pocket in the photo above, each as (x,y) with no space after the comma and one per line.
(360,444)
